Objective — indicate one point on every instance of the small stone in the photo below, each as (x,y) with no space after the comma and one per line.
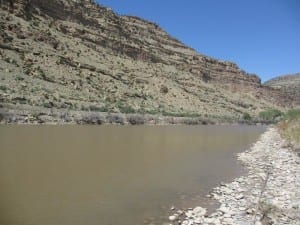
(189,214)
(187,222)
(198,221)
(250,211)
(238,197)
(173,217)
(224,210)
(199,211)
(228,220)
(180,212)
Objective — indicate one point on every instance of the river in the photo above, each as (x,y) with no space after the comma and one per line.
(113,175)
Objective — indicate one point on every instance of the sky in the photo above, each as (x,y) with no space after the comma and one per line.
(261,36)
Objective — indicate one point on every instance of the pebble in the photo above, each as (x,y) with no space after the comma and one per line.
(173,217)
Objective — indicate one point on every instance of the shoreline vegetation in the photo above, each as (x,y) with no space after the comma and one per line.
(23,114)
(269,193)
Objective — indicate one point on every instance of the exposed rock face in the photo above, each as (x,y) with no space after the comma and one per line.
(76,54)
(289,85)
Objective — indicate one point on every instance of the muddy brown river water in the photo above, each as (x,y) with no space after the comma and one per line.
(112,175)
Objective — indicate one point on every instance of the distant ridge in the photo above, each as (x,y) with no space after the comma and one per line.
(289,84)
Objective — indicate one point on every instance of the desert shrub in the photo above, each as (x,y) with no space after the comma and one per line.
(270,114)
(246,116)
(19,78)
(3,88)
(180,114)
(164,89)
(136,119)
(151,111)
(192,121)
(92,119)
(48,104)
(115,118)
(65,116)
(125,108)
(98,109)
(20,100)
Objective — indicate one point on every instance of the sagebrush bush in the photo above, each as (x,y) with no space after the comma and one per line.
(246,116)
(136,119)
(271,114)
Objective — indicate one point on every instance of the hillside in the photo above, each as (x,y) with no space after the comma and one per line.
(288,84)
(77,55)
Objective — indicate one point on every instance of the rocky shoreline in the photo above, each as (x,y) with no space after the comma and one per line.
(268,194)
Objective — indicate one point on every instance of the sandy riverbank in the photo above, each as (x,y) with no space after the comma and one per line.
(268,194)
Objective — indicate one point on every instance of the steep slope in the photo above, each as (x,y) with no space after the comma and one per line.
(77,55)
(289,85)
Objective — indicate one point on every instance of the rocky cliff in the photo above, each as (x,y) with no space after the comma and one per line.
(78,55)
(289,85)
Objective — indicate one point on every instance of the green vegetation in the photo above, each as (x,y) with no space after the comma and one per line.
(125,108)
(98,109)
(19,78)
(47,105)
(271,115)
(180,114)
(3,88)
(246,116)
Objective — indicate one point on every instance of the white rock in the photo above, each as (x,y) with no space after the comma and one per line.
(173,217)
(227,215)
(198,221)
(199,211)
(228,220)
(209,220)
(187,222)
(189,214)
(180,212)
(238,197)
(224,210)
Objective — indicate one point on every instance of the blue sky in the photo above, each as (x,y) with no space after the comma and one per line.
(261,36)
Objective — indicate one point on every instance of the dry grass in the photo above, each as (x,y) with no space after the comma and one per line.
(290,127)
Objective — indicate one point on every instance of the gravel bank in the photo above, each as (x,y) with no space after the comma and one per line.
(268,194)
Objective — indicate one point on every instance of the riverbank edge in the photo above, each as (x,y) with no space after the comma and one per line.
(268,194)
(38,115)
